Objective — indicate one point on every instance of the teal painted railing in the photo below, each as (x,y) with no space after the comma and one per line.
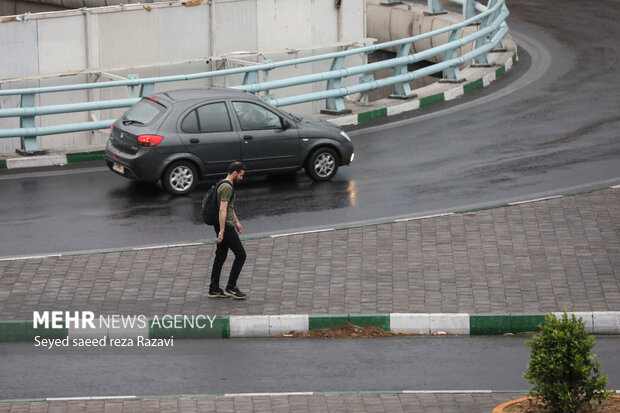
(492,28)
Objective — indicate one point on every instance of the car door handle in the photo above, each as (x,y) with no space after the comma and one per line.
(194,140)
(248,137)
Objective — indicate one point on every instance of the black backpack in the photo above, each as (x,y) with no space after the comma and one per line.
(210,206)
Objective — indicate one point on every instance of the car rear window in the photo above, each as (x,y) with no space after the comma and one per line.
(145,111)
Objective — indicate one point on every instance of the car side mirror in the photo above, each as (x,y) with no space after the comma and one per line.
(285,124)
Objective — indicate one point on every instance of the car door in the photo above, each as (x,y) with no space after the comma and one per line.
(266,143)
(207,132)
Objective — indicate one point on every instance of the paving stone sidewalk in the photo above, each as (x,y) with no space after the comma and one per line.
(535,257)
(376,403)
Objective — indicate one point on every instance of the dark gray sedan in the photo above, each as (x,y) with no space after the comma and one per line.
(184,135)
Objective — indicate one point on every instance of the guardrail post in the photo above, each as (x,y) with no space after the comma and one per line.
(28,143)
(368,77)
(335,106)
(250,77)
(500,45)
(452,74)
(132,88)
(434,8)
(267,96)
(469,9)
(402,90)
(483,60)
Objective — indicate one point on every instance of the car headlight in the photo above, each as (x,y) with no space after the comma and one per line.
(344,135)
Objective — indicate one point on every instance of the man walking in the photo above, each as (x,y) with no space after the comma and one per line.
(227,238)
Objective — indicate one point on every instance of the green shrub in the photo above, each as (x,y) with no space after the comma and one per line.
(563,372)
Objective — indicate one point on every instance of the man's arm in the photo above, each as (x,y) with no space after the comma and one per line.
(222,219)
(237,223)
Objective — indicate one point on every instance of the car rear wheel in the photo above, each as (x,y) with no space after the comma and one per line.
(322,165)
(180,178)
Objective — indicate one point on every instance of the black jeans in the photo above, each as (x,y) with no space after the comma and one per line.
(231,242)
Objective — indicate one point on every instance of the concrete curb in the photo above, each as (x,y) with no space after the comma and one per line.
(51,160)
(597,323)
(281,394)
(355,119)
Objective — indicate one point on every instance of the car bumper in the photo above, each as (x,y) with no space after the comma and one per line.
(348,154)
(141,166)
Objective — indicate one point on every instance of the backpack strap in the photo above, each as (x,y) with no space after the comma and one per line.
(228,182)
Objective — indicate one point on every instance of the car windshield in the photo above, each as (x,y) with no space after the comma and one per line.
(143,112)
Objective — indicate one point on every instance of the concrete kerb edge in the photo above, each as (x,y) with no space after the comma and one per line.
(280,394)
(355,119)
(597,323)
(51,160)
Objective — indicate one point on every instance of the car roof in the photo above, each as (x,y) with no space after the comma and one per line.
(192,94)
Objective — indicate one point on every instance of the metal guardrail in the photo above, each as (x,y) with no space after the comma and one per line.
(492,28)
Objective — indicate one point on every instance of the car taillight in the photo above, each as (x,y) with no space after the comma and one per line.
(112,128)
(149,140)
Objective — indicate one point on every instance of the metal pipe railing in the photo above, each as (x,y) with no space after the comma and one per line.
(484,40)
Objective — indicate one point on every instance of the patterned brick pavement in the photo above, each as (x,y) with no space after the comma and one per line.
(376,403)
(536,257)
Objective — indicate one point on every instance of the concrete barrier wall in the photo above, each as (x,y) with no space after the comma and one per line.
(399,21)
(119,39)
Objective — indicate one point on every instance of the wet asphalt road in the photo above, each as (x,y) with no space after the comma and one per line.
(549,126)
(279,365)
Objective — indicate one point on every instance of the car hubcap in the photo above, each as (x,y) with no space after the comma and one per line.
(324,165)
(181,178)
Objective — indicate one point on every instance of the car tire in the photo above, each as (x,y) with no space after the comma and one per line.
(322,164)
(180,178)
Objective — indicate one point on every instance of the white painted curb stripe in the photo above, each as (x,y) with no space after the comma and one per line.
(403,107)
(249,326)
(36,161)
(53,399)
(345,120)
(154,247)
(268,325)
(302,232)
(453,93)
(535,200)
(450,323)
(424,217)
(300,393)
(446,391)
(31,257)
(488,79)
(283,324)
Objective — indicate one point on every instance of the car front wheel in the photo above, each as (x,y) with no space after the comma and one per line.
(322,165)
(180,178)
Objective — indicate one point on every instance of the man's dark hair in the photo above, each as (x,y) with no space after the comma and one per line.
(236,167)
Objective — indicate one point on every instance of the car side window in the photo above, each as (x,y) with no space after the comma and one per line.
(207,118)
(252,117)
(190,123)
(214,118)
